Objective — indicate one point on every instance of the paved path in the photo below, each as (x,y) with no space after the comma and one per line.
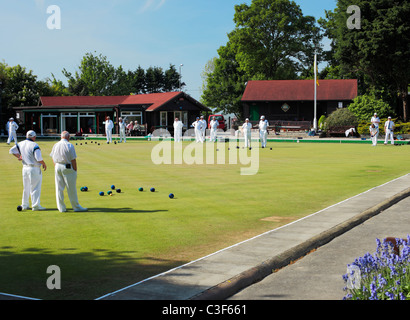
(318,276)
(223,274)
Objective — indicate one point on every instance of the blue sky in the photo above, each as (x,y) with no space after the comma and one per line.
(128,32)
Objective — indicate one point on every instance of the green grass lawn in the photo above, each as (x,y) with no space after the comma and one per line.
(133,235)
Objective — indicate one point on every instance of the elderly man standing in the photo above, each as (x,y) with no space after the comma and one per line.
(389,129)
(109,125)
(213,125)
(246,130)
(29,153)
(203,129)
(122,130)
(12,127)
(65,164)
(263,131)
(178,130)
(197,129)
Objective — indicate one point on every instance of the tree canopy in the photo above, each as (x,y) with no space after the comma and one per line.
(96,76)
(377,53)
(272,40)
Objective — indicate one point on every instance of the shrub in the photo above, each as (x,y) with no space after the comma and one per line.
(381,276)
(400,127)
(366,105)
(341,117)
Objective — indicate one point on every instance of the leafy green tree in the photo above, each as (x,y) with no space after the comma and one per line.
(377,53)
(172,79)
(275,40)
(154,80)
(96,76)
(365,106)
(226,83)
(272,40)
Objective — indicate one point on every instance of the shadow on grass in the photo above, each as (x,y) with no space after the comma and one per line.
(84,275)
(123,210)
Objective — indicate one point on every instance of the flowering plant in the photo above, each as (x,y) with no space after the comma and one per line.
(385,275)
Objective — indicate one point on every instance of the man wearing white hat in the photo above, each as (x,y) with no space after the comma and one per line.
(246,130)
(197,129)
(376,121)
(65,165)
(109,125)
(178,130)
(213,125)
(389,129)
(122,130)
(29,153)
(12,127)
(203,128)
(263,131)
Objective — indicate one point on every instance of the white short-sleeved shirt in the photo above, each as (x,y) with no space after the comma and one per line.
(246,127)
(63,152)
(214,124)
(263,125)
(375,120)
(29,151)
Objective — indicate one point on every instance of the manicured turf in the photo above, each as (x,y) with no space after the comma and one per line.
(130,236)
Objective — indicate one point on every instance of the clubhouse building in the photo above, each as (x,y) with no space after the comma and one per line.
(86,114)
(293,100)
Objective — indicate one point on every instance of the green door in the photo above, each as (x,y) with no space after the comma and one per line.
(254,113)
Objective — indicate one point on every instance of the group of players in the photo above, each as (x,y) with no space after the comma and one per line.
(64,155)
(65,169)
(200,125)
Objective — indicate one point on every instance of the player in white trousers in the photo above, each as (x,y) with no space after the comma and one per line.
(122,126)
(389,129)
(178,130)
(29,153)
(202,129)
(246,130)
(213,125)
(263,131)
(374,132)
(197,129)
(65,167)
(12,127)
(109,125)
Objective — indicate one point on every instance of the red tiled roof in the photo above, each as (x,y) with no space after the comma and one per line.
(154,100)
(300,90)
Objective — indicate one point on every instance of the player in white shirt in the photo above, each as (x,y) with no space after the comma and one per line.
(374,132)
(203,128)
(213,124)
(12,127)
(197,128)
(109,125)
(263,131)
(375,120)
(178,125)
(29,153)
(246,130)
(122,126)
(389,129)
(65,168)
